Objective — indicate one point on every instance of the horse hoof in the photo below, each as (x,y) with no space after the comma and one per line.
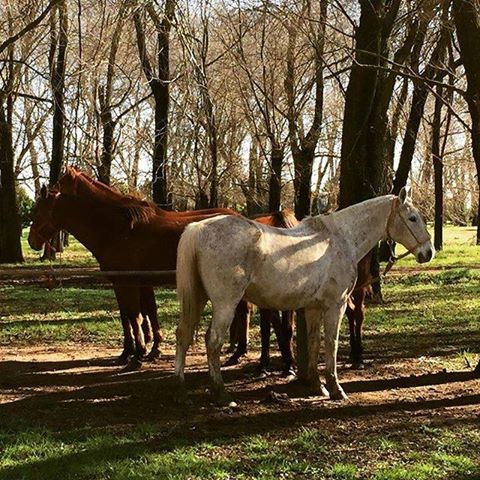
(357,366)
(121,360)
(317,388)
(225,400)
(264,372)
(233,360)
(290,374)
(338,394)
(154,354)
(133,365)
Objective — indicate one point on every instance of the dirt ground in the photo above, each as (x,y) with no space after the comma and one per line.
(77,385)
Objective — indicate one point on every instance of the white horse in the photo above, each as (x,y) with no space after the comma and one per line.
(311,266)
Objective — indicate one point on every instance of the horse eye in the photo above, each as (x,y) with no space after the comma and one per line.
(413,218)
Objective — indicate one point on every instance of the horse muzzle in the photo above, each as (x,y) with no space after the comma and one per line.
(425,253)
(35,242)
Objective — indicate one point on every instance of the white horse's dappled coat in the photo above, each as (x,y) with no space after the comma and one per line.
(311,266)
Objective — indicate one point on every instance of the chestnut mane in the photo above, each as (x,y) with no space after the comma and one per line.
(136,210)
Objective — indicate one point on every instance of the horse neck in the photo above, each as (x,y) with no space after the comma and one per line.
(73,214)
(96,192)
(364,224)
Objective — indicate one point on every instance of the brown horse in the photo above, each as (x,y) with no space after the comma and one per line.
(76,182)
(282,325)
(121,238)
(356,310)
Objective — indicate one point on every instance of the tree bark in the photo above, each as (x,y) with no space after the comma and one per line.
(363,172)
(159,85)
(10,221)
(58,90)
(10,224)
(275,182)
(105,100)
(438,170)
(467,22)
(302,145)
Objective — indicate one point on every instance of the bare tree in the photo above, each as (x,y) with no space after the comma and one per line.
(159,85)
(467,23)
(10,225)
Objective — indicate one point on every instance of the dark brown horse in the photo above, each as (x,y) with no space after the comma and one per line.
(120,237)
(75,182)
(281,323)
(356,310)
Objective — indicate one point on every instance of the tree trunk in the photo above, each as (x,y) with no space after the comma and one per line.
(303,165)
(419,98)
(105,167)
(160,86)
(58,90)
(363,157)
(467,23)
(438,170)
(58,45)
(275,183)
(10,224)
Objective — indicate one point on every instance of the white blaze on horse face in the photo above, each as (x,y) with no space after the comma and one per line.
(410,230)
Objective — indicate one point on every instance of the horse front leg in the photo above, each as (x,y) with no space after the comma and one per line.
(332,319)
(287,352)
(313,318)
(239,333)
(128,339)
(356,315)
(267,318)
(128,298)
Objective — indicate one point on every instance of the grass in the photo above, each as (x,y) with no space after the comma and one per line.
(141,452)
(430,317)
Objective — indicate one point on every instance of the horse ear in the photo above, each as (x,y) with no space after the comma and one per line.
(403,195)
(43,192)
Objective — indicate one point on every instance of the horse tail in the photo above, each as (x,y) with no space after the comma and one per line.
(190,291)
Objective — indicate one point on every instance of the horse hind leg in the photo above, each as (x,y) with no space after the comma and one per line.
(149,309)
(221,320)
(184,333)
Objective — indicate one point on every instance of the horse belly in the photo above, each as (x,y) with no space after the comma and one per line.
(288,293)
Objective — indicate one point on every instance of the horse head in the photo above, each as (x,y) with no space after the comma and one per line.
(407,226)
(43,227)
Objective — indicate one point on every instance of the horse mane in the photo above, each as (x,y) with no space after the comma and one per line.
(138,214)
(280,219)
(135,209)
(285,218)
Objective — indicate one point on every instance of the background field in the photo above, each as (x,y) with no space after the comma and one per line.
(67,411)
